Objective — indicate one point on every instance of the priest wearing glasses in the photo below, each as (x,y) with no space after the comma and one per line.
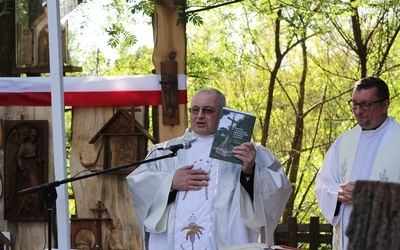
(192,201)
(369,151)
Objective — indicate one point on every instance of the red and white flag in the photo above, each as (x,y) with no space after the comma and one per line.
(88,91)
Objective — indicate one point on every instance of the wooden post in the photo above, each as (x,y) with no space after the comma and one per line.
(169,38)
(292,229)
(375,219)
(314,233)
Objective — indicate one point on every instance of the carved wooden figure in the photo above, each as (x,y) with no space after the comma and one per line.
(25,166)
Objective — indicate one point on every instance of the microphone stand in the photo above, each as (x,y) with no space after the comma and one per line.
(50,188)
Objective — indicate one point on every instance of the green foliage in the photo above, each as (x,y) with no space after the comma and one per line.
(188,10)
(120,31)
(145,7)
(5,8)
(111,47)
(68,138)
(184,18)
(68,131)
(137,63)
(119,35)
(236,51)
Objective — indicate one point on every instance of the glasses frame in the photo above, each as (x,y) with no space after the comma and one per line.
(363,105)
(207,110)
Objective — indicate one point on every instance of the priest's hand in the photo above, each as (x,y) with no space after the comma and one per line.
(345,192)
(187,178)
(247,154)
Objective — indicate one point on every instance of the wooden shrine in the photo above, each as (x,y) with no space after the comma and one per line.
(124,140)
(32,38)
(86,232)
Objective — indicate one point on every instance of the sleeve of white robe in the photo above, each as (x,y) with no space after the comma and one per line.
(271,193)
(327,184)
(151,200)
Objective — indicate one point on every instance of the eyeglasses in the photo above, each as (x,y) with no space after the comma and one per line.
(205,110)
(363,105)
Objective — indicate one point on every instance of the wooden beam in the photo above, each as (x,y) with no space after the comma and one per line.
(169,38)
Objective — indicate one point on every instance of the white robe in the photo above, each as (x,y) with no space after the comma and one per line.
(356,155)
(235,218)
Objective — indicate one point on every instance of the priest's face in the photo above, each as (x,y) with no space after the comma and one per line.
(370,111)
(204,112)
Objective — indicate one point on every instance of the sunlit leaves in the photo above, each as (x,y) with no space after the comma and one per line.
(184,18)
(138,62)
(118,34)
(235,50)
(145,7)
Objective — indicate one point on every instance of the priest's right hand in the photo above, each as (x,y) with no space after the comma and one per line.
(187,178)
(345,192)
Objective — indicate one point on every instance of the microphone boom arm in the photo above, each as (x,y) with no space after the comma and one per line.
(54,184)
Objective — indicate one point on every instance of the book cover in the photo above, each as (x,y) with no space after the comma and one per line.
(234,128)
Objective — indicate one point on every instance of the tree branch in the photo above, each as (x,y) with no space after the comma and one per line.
(212,7)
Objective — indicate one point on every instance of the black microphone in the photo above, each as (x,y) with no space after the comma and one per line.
(185,145)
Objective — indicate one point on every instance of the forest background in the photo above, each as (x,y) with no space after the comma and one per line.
(291,63)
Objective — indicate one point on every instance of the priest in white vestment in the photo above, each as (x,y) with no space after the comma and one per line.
(195,202)
(369,151)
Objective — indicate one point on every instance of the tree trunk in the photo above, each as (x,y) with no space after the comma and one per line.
(7,41)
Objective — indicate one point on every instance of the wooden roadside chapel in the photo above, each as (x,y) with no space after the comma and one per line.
(102,120)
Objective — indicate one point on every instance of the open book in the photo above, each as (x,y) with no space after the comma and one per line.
(234,128)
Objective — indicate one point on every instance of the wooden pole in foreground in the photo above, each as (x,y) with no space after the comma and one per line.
(58,121)
(375,219)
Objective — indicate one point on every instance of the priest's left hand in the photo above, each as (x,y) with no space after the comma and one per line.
(247,154)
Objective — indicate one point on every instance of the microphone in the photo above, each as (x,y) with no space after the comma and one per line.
(185,145)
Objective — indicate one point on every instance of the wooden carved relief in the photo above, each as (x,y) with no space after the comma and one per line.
(25,166)
(83,232)
(86,232)
(43,57)
(123,150)
(26,46)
